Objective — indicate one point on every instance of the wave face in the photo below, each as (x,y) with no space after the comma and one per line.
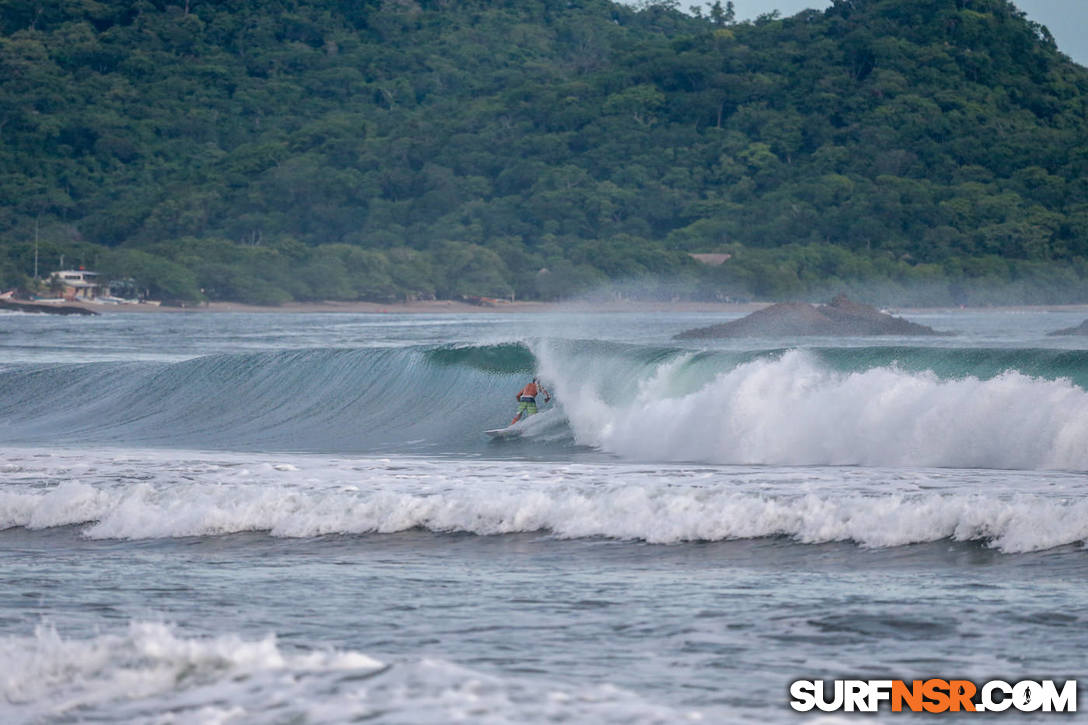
(311,400)
(881,406)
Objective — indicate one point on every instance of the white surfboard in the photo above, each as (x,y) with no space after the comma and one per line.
(508,432)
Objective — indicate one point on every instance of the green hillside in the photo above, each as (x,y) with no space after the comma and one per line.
(377,149)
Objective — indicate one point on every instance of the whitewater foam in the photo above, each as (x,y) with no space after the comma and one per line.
(660,505)
(794,410)
(151,674)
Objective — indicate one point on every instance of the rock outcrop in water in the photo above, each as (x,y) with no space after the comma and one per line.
(1081,329)
(7,304)
(841,317)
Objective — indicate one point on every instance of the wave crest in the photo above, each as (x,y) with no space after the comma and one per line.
(658,514)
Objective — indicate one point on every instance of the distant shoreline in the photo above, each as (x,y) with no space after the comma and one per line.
(573,307)
(435,307)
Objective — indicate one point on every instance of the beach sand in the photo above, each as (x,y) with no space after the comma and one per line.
(430,307)
(442,306)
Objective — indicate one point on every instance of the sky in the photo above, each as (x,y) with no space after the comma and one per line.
(1067,20)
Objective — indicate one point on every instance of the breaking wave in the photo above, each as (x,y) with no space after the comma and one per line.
(1012,409)
(150,673)
(286,502)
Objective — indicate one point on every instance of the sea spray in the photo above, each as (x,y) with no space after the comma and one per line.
(793,409)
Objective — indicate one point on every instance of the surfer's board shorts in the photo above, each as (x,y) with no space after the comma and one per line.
(527,406)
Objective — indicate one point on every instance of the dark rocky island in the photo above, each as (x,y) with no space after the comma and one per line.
(839,318)
(1081,329)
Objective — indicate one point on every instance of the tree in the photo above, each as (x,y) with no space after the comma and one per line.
(722,16)
(157,277)
(238,143)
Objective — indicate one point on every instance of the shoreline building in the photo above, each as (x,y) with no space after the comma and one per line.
(79,284)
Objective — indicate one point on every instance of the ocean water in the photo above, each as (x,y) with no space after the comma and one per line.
(297,518)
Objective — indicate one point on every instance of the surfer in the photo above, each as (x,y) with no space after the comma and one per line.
(527,399)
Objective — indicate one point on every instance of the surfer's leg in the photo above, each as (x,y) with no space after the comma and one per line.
(522,407)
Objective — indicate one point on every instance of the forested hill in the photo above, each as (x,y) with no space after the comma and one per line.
(277,149)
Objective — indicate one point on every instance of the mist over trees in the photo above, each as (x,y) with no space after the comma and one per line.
(936,150)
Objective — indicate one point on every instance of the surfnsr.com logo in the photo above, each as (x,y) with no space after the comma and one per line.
(933,695)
